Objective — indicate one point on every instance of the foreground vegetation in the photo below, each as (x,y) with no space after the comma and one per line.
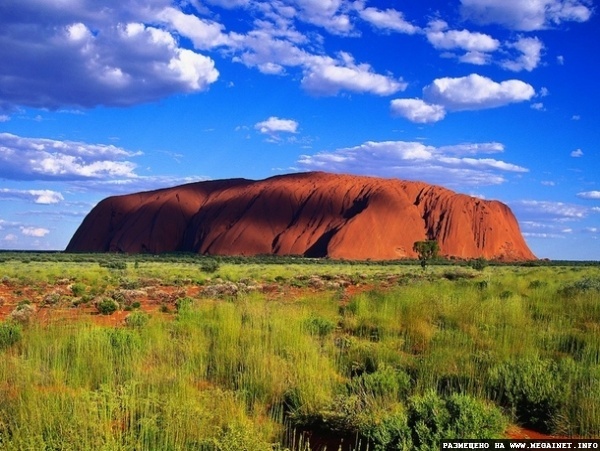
(383,357)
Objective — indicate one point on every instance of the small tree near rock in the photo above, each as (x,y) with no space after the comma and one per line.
(426,250)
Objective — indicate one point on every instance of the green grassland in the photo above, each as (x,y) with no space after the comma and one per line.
(385,356)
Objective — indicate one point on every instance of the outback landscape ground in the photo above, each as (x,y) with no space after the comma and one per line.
(178,352)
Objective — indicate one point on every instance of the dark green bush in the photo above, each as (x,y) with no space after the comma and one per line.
(531,389)
(114,264)
(432,418)
(137,319)
(129,284)
(584,285)
(78,289)
(384,384)
(10,333)
(537,284)
(388,433)
(183,304)
(479,264)
(107,306)
(210,266)
(316,325)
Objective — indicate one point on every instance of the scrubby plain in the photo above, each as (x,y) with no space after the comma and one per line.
(253,354)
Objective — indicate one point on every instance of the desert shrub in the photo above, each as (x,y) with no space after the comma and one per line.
(137,319)
(78,289)
(114,264)
(319,326)
(118,296)
(238,437)
(129,284)
(457,275)
(584,285)
(388,433)
(534,284)
(22,313)
(183,304)
(51,299)
(386,384)
(478,264)
(432,418)
(531,389)
(482,284)
(10,333)
(210,266)
(107,306)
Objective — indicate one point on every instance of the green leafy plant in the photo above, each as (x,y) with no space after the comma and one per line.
(78,289)
(432,418)
(210,266)
(531,388)
(478,264)
(107,306)
(137,319)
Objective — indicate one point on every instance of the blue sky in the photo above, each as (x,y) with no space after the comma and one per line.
(493,98)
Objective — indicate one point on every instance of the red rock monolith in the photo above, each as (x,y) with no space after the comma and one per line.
(311,214)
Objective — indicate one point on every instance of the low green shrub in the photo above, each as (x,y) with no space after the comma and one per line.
(478,264)
(10,333)
(137,319)
(319,326)
(432,418)
(587,284)
(534,284)
(129,284)
(210,266)
(114,264)
(183,304)
(386,384)
(531,389)
(107,306)
(391,432)
(78,289)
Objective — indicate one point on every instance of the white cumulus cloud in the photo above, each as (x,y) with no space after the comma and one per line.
(475,92)
(530,54)
(47,159)
(275,125)
(38,232)
(43,196)
(577,153)
(389,19)
(416,110)
(327,76)
(120,58)
(595,195)
(540,211)
(455,165)
(441,38)
(526,15)
(203,33)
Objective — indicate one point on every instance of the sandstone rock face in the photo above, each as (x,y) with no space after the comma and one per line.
(311,214)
